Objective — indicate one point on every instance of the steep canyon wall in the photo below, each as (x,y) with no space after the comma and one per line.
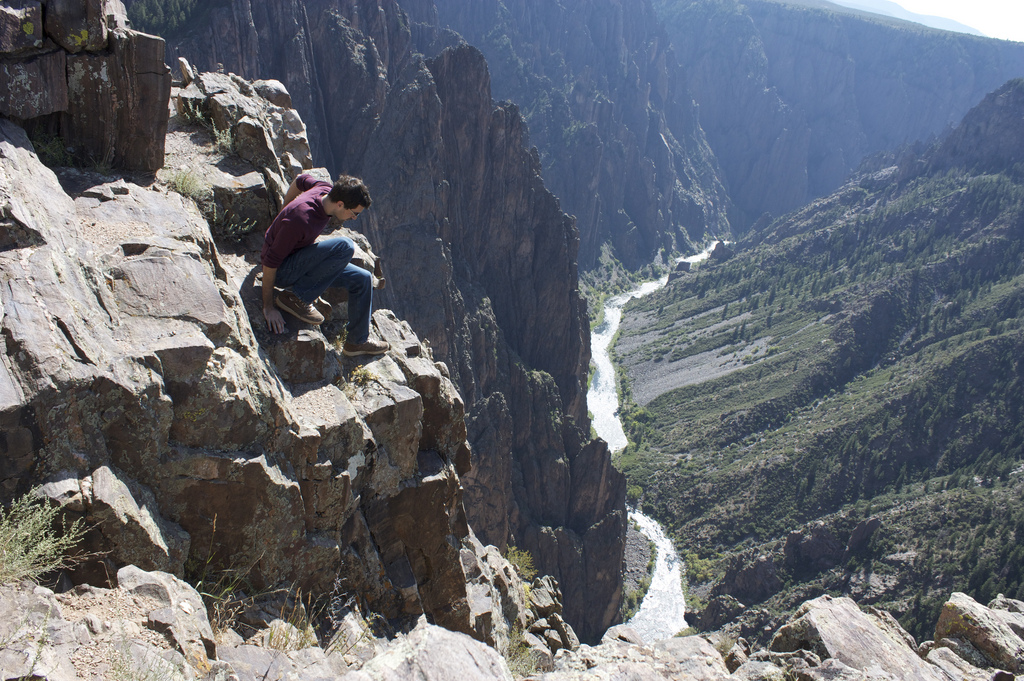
(480,260)
(609,111)
(792,98)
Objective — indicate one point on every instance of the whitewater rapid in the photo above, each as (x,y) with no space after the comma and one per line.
(663,611)
(602,398)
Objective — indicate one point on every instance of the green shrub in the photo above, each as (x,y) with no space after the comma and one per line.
(52,151)
(522,661)
(522,561)
(188,183)
(33,542)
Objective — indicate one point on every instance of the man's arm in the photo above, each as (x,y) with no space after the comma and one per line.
(273,316)
(293,191)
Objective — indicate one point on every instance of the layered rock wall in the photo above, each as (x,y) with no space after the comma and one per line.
(136,392)
(76,70)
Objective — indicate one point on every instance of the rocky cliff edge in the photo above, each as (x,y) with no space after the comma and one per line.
(154,626)
(136,392)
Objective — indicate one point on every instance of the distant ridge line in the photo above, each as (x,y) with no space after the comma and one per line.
(877,10)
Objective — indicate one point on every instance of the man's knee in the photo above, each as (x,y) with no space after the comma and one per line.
(358,280)
(342,247)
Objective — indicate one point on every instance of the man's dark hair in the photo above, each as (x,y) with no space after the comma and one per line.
(350,192)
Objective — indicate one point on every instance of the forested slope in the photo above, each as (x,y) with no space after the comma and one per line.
(858,359)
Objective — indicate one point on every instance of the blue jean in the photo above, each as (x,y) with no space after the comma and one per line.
(310,271)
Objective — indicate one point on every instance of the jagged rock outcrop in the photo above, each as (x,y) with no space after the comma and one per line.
(828,638)
(482,264)
(719,610)
(135,387)
(77,70)
(155,624)
(497,599)
(815,549)
(994,632)
(682,267)
(792,97)
(991,136)
(836,629)
(749,577)
(262,137)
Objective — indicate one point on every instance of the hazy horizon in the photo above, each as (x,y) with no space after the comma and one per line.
(989,18)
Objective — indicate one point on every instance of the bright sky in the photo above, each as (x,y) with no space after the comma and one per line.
(995,18)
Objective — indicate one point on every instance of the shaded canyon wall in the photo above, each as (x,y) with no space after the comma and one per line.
(793,98)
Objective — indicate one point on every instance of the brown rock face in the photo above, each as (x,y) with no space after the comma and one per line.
(33,86)
(108,83)
(21,28)
(76,25)
(134,386)
(117,102)
(480,261)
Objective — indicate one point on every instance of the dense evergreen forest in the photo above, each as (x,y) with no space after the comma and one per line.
(859,358)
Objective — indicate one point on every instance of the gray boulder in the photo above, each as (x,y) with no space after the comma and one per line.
(430,653)
(836,628)
(130,520)
(179,612)
(996,633)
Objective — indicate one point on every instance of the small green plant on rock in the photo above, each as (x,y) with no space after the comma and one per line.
(224,139)
(361,376)
(33,542)
(190,114)
(522,561)
(188,183)
(52,151)
(522,661)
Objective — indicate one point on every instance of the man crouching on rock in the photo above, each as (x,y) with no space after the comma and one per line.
(293,260)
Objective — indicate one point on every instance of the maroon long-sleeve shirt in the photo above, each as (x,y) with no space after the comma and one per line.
(298,224)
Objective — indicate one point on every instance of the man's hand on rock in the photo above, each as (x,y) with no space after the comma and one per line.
(275,322)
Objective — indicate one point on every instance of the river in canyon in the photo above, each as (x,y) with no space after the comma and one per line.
(663,610)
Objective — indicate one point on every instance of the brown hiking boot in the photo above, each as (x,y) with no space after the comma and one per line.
(370,347)
(297,307)
(324,307)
